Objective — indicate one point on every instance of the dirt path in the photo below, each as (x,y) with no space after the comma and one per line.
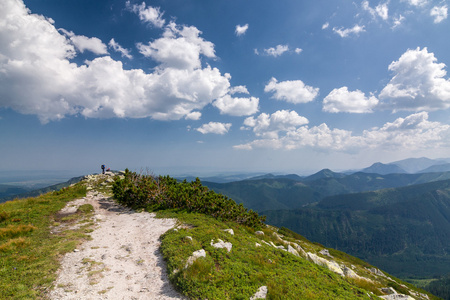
(122,261)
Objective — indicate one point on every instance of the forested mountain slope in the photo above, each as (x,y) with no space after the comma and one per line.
(405,231)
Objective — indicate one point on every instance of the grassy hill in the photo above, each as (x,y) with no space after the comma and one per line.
(278,260)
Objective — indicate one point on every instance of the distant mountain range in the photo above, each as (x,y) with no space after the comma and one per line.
(405,230)
(396,216)
(10,192)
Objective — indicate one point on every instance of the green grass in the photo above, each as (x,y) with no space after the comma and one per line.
(238,274)
(29,253)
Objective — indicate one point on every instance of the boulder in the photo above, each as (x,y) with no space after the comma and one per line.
(260,294)
(331,265)
(291,250)
(325,252)
(222,244)
(259,233)
(194,256)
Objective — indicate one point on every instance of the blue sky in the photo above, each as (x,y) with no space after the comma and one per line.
(198,87)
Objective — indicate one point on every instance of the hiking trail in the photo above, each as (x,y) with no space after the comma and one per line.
(122,261)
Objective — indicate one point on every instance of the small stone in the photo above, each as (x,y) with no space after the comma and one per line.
(230,231)
(259,233)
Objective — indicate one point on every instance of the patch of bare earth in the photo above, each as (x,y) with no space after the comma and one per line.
(122,261)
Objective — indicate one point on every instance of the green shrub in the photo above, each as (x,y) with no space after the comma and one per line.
(164,192)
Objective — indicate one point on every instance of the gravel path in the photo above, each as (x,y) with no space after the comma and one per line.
(122,261)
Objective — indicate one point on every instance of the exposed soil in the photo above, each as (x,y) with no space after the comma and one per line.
(122,261)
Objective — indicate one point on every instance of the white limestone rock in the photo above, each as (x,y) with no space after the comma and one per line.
(291,250)
(194,256)
(222,244)
(299,249)
(325,252)
(230,231)
(260,294)
(331,265)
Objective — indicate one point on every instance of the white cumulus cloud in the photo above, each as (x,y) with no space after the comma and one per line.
(269,126)
(38,77)
(293,91)
(413,132)
(240,89)
(418,83)
(215,127)
(83,43)
(343,100)
(277,51)
(439,13)
(180,47)
(241,30)
(235,106)
(152,15)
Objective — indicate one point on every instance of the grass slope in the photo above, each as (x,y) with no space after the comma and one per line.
(29,252)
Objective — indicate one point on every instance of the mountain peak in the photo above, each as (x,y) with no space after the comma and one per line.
(324,173)
(383,169)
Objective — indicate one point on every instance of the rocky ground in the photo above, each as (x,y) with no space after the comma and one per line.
(122,261)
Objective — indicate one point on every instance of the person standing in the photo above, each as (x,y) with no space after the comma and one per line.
(103,169)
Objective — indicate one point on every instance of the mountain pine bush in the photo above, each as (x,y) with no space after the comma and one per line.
(163,192)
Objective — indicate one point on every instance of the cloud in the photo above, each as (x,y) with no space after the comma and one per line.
(294,91)
(240,89)
(416,2)
(237,106)
(241,30)
(151,15)
(116,47)
(439,13)
(398,21)
(277,51)
(347,32)
(380,10)
(325,25)
(342,100)
(298,50)
(418,83)
(269,126)
(38,77)
(180,48)
(195,116)
(413,132)
(215,127)
(83,43)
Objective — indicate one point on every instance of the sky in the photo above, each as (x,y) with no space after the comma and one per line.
(204,87)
